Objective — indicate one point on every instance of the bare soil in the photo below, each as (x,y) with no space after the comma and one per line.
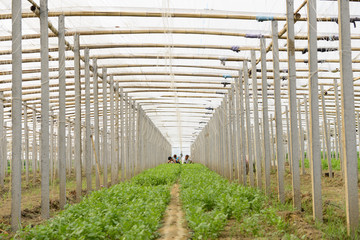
(174,223)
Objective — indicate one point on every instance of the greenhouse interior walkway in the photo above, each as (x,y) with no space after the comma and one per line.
(264,97)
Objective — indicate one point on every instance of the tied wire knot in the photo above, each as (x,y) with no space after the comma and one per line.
(235,48)
(223,60)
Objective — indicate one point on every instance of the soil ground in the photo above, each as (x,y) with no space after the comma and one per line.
(174,223)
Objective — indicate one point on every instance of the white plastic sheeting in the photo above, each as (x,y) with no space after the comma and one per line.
(157,77)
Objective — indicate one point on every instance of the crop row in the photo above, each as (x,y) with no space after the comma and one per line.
(129,210)
(210,201)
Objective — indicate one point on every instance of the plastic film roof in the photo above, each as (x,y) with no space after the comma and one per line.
(172,65)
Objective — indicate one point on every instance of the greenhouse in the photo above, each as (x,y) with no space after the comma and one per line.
(259,102)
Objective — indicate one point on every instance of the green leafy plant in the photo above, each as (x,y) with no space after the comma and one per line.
(129,210)
(210,200)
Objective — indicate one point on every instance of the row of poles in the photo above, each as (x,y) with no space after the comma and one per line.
(127,142)
(233,138)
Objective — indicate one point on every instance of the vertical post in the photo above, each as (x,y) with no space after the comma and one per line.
(61,131)
(326,132)
(238,132)
(122,155)
(323,142)
(26,135)
(292,103)
(272,142)
(348,120)
(87,159)
(225,135)
(301,139)
(266,137)
(307,129)
(96,121)
(336,138)
(130,159)
(77,127)
(278,114)
(51,154)
(358,120)
(288,137)
(242,131)
(314,133)
(247,118)
(138,139)
(44,53)
(126,137)
(34,146)
(16,115)
(339,126)
(257,149)
(112,133)
(104,143)
(5,150)
(69,148)
(133,140)
(230,133)
(117,149)
(2,138)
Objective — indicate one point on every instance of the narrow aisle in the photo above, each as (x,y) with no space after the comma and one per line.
(174,226)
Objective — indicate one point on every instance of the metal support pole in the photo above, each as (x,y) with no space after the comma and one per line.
(257,149)
(44,38)
(77,127)
(278,114)
(16,115)
(87,159)
(61,131)
(294,138)
(266,137)
(348,120)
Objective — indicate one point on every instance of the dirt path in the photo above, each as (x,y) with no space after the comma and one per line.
(174,226)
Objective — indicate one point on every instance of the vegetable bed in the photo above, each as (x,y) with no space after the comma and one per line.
(129,210)
(210,201)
